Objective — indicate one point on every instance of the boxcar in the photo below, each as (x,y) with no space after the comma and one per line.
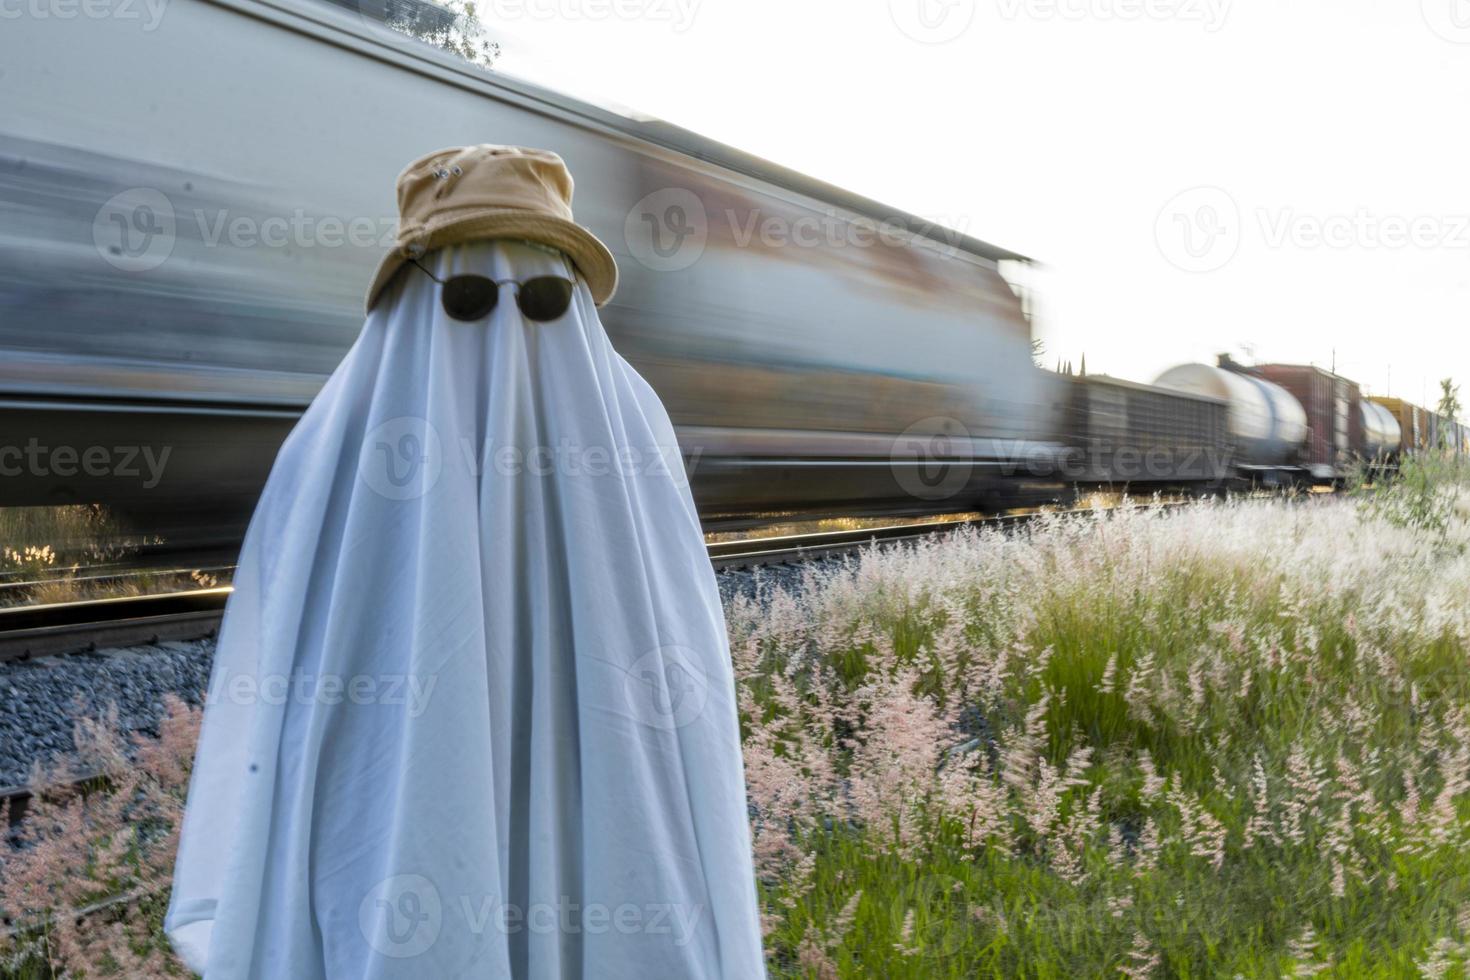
(1413,425)
(1334,422)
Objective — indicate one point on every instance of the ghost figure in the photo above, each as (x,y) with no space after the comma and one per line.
(472,711)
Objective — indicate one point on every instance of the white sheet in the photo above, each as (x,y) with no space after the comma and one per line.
(472,709)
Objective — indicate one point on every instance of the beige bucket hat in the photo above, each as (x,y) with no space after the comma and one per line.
(470,193)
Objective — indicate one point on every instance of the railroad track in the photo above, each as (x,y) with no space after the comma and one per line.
(754,552)
(95,624)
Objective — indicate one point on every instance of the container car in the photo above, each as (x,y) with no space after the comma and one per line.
(1144,435)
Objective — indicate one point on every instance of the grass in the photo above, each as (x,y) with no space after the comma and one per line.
(1230,739)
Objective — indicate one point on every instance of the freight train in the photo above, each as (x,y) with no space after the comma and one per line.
(191,204)
(1264,424)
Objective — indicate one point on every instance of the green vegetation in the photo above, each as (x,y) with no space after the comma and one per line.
(1449,399)
(1423,494)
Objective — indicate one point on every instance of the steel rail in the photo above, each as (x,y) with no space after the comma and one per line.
(95,624)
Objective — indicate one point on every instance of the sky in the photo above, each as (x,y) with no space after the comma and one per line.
(1285,180)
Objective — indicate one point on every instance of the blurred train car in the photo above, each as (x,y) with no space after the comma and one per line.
(1413,423)
(1437,435)
(1382,434)
(1457,438)
(1454,436)
(1444,434)
(189,215)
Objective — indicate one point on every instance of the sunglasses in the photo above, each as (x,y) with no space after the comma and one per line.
(541,298)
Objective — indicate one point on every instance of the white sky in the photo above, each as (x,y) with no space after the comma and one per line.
(1068,129)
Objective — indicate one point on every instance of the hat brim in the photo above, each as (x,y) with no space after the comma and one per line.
(592,259)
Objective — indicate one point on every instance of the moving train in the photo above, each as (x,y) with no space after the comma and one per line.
(193,198)
(1258,425)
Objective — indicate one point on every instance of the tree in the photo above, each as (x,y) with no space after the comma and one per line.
(1449,399)
(452,26)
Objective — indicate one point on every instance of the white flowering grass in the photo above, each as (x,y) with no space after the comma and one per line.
(1227,740)
(1232,739)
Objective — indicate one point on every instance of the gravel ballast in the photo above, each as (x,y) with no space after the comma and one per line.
(40,698)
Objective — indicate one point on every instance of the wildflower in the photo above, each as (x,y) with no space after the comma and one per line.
(814,959)
(1147,851)
(1306,783)
(1442,957)
(1138,695)
(1199,828)
(1153,784)
(842,925)
(1143,959)
(1303,954)
(1259,825)
(905,944)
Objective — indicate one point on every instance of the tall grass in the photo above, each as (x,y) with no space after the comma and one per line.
(84,876)
(1424,492)
(1226,740)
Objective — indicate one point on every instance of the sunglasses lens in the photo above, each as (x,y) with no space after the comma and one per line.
(545,297)
(470,297)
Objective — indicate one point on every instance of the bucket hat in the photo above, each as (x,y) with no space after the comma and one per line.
(487,191)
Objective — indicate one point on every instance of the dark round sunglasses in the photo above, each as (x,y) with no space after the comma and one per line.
(540,298)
